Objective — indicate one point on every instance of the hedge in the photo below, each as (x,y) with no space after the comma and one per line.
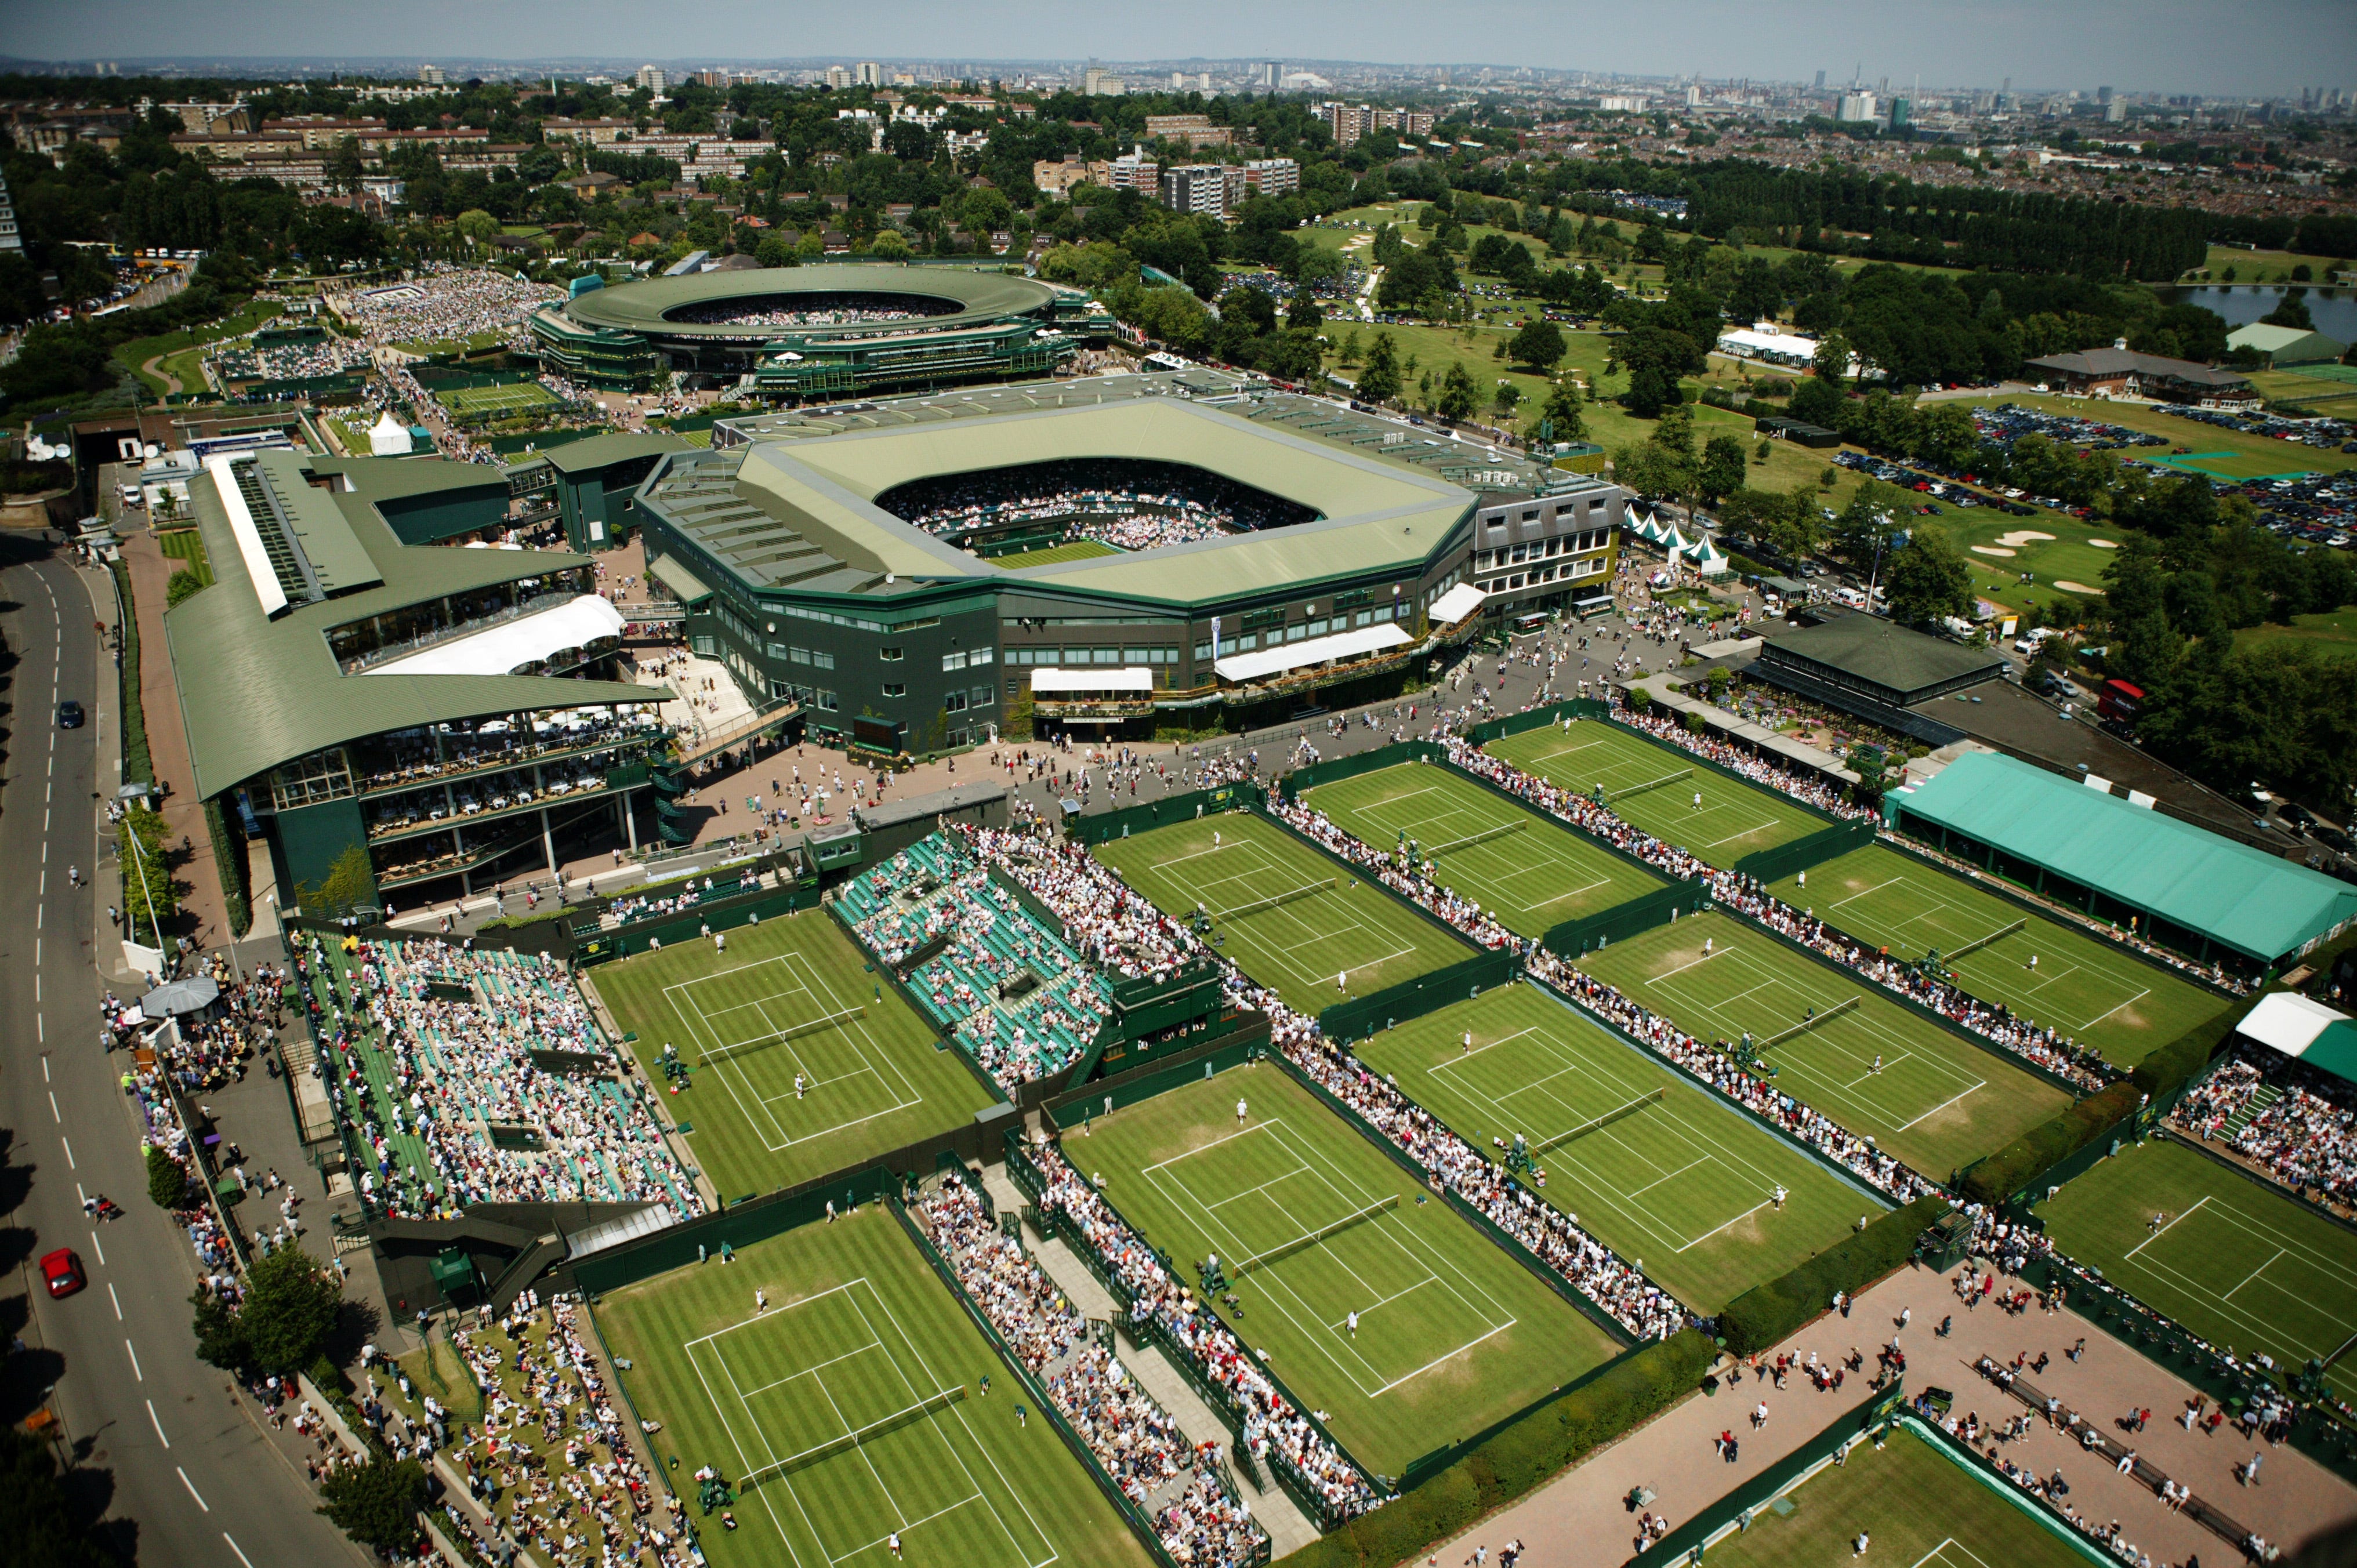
(1764,1315)
(1639,1386)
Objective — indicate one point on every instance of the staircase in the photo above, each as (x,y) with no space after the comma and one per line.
(2267,1094)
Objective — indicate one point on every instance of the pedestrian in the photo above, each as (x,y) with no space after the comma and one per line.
(1239,1112)
(892,1540)
(2249,1474)
(1022,1417)
(760,1300)
(1857,1547)
(1760,1416)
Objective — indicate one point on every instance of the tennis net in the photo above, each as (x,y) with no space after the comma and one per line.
(1805,1024)
(1662,782)
(819,1452)
(1979,942)
(1256,905)
(1649,1097)
(1484,836)
(790,1032)
(1285,1250)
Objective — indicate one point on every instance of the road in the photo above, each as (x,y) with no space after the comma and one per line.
(198,1480)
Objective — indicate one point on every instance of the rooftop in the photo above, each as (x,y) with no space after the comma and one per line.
(2128,362)
(975,298)
(1884,653)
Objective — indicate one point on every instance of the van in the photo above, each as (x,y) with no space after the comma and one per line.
(1524,625)
(1854,597)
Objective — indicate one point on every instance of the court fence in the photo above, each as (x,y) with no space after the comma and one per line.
(1363,1016)
(1733,1513)
(1575,939)
(599,946)
(1805,853)
(1538,718)
(1091,831)
(1334,769)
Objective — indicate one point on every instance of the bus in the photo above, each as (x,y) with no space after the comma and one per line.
(2119,702)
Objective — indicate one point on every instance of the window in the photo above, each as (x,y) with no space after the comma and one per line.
(702,645)
(980,657)
(1203,651)
(981,696)
(1012,686)
(896,689)
(1104,655)
(954,702)
(1364,616)
(826,699)
(889,655)
(797,655)
(953,662)
(1295,633)
(1314,628)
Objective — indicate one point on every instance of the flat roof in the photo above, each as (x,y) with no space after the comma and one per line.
(613,447)
(1883,653)
(2259,904)
(257,693)
(978,299)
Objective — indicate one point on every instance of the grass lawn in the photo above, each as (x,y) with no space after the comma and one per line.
(2329,394)
(1528,870)
(1735,819)
(136,351)
(2334,632)
(475,344)
(2090,989)
(2235,1261)
(2057,550)
(859,1329)
(1341,925)
(870,1082)
(1453,1334)
(188,545)
(1075,550)
(1937,1102)
(1683,1183)
(1919,1507)
(514,397)
(2259,266)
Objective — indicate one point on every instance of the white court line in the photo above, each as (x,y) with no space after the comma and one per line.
(1450,1356)
(2255,1273)
(1975,1089)
(1464,1057)
(1720,953)
(2164,1230)
(1737,1220)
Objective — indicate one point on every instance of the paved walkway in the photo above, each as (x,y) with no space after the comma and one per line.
(202,918)
(1582,1520)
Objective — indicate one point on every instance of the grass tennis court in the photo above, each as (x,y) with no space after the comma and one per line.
(2236,1263)
(2092,991)
(1674,1178)
(486,402)
(790,996)
(1654,788)
(1918,1507)
(861,1339)
(1239,865)
(1452,1333)
(1937,1102)
(1526,869)
(1070,550)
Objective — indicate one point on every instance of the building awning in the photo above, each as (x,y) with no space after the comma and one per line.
(1456,604)
(2321,1038)
(1127,678)
(511,646)
(1318,649)
(667,571)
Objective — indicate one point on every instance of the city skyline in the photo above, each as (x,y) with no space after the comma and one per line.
(2167,48)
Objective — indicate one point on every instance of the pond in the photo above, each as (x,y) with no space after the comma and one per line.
(2334,309)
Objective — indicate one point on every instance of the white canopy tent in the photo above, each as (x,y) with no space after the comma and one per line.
(528,640)
(1267,661)
(1456,604)
(1124,678)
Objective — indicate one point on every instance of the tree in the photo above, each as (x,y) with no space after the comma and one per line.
(377,1503)
(288,1311)
(42,1519)
(2290,311)
(1539,344)
(1379,383)
(1928,578)
(150,896)
(477,226)
(183,585)
(1506,399)
(775,251)
(1562,411)
(1458,396)
(168,1179)
(1722,467)
(1865,525)
(1304,312)
(890,245)
(350,884)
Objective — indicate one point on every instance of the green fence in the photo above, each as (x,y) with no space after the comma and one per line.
(1690,1542)
(723,915)
(1575,939)
(1538,718)
(739,1225)
(1362,1015)
(1112,1094)
(1094,831)
(1802,853)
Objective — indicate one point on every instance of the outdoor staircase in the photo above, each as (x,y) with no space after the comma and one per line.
(2267,1094)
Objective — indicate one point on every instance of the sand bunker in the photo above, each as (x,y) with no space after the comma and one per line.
(1989,550)
(2069,586)
(2103,543)
(2021,536)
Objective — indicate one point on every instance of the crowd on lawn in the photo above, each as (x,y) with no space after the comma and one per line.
(1274,1433)
(415,1076)
(247,361)
(1133,1440)
(2306,1138)
(442,303)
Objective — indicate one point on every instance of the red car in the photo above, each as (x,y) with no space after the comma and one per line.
(62,1271)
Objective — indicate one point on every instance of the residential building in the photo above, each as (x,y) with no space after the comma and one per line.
(1856,108)
(598,133)
(1135,171)
(838,77)
(1197,188)
(1056,176)
(1195,130)
(653,78)
(2118,371)
(10,240)
(869,73)
(1099,83)
(1273,177)
(433,76)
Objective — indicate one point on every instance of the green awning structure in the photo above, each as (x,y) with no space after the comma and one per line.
(2039,824)
(686,585)
(2335,1051)
(2318,1036)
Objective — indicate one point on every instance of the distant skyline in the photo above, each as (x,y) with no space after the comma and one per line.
(2270,48)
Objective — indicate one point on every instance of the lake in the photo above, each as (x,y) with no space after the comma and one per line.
(2334,309)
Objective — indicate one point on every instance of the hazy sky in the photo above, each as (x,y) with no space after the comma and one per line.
(2168,46)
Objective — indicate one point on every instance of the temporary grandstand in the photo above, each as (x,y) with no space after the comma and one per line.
(2209,897)
(823,331)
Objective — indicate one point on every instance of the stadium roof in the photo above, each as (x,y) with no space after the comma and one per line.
(2245,899)
(825,532)
(256,692)
(1881,660)
(612,447)
(977,297)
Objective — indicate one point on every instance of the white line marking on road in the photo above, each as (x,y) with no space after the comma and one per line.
(45,1070)
(70,1159)
(134,1361)
(241,1557)
(115,1299)
(53,1105)
(96,1247)
(159,1425)
(193,1490)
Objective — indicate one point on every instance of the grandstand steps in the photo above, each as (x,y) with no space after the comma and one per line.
(2267,1094)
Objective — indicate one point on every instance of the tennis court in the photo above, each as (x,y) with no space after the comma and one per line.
(1289,917)
(1655,788)
(1312,1224)
(489,403)
(1656,1168)
(1847,1049)
(2094,992)
(2238,1262)
(1917,1508)
(1526,869)
(800,1062)
(851,1410)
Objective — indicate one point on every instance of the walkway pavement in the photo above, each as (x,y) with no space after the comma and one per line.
(202,920)
(1582,1519)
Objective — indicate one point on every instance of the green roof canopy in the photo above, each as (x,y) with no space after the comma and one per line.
(2254,903)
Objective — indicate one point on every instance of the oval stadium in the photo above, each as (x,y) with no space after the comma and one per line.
(795,333)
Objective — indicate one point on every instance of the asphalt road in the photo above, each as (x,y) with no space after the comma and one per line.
(190,1474)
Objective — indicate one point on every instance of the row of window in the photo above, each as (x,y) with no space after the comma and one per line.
(1567,572)
(1536,549)
(1055,656)
(955,702)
